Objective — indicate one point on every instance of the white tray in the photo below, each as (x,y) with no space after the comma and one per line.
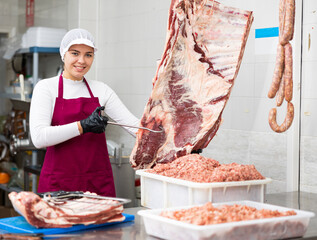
(269,228)
(158,191)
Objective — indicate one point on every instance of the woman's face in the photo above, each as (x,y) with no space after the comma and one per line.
(77,61)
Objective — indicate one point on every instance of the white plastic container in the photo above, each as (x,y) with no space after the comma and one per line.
(161,192)
(43,37)
(268,228)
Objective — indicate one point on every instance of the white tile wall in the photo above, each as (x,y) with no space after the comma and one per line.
(50,13)
(309,117)
(263,78)
(131,40)
(308,161)
(9,12)
(309,42)
(135,103)
(241,113)
(249,54)
(73,14)
(309,84)
(8,20)
(88,10)
(243,87)
(310,11)
(308,164)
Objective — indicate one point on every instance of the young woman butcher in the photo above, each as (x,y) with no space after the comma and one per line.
(65,118)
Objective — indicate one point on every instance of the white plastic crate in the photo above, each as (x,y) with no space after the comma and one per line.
(161,192)
(268,228)
(43,37)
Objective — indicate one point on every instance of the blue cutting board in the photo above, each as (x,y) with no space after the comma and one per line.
(20,225)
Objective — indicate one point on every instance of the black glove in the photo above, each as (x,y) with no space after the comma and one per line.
(94,123)
(197,151)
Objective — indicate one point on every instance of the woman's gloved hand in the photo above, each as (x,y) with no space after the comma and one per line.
(95,123)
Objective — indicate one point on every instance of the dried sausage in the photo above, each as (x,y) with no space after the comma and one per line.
(289,20)
(281,93)
(283,72)
(278,71)
(281,16)
(288,72)
(287,122)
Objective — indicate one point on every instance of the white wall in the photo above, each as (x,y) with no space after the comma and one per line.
(84,14)
(131,39)
(308,153)
(47,13)
(8,23)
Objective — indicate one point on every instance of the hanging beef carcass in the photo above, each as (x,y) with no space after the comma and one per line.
(204,48)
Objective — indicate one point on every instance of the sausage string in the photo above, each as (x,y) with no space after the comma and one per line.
(282,82)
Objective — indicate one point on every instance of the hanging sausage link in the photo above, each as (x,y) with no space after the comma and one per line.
(288,72)
(288,16)
(278,71)
(281,93)
(282,83)
(287,121)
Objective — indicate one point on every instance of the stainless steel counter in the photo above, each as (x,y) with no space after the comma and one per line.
(303,201)
(135,230)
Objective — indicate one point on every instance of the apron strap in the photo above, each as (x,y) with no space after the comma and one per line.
(60,87)
(89,90)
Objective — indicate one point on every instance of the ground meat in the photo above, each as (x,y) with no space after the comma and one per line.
(197,168)
(235,172)
(208,214)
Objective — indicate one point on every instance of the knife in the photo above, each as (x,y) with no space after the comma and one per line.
(124,125)
(130,126)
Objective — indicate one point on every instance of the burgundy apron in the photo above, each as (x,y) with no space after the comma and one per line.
(81,163)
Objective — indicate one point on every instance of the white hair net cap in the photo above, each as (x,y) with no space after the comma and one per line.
(76,36)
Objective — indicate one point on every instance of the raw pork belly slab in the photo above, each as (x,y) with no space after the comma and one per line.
(54,214)
(204,48)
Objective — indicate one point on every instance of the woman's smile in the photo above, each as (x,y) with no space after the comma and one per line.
(79,68)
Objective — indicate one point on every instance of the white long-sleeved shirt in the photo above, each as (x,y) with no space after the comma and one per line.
(43,103)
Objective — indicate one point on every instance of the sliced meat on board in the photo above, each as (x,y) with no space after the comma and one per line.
(204,48)
(51,214)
